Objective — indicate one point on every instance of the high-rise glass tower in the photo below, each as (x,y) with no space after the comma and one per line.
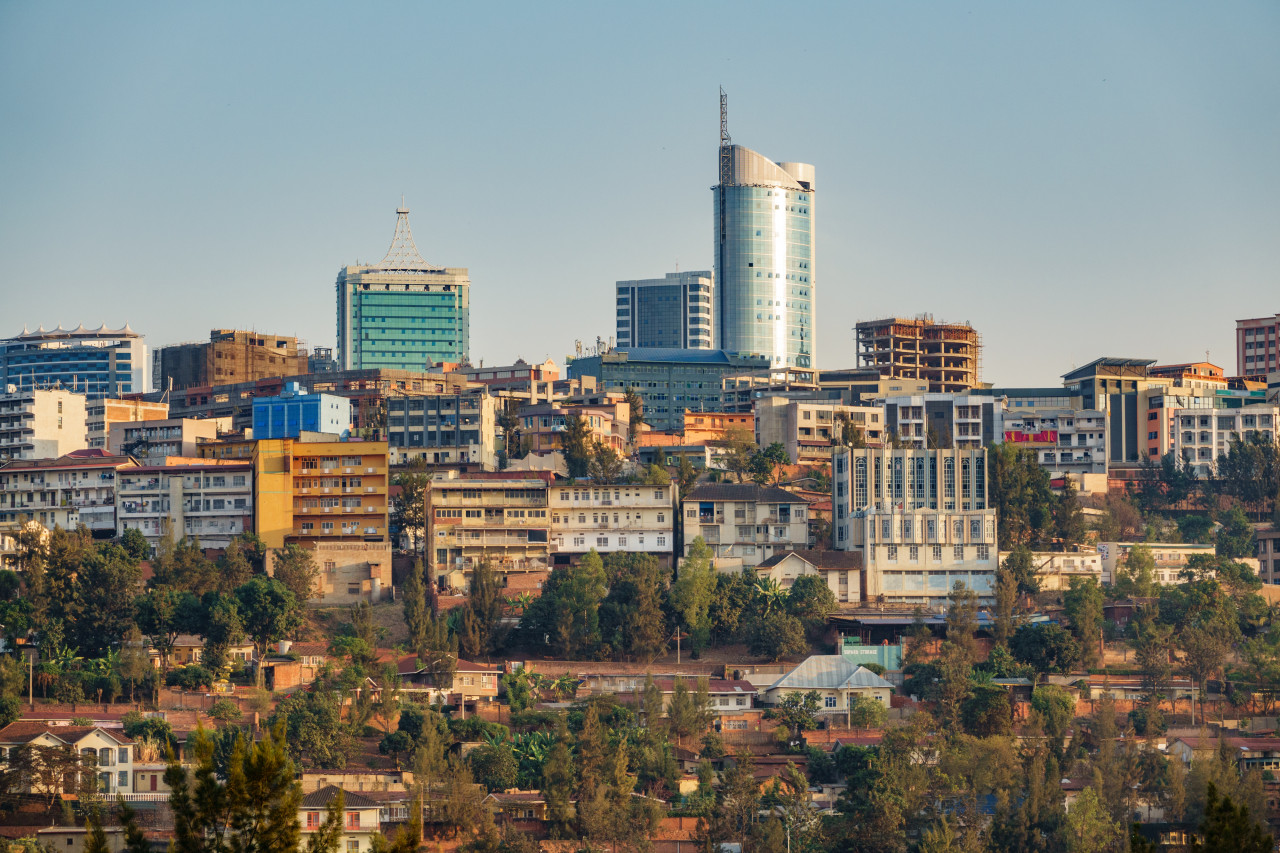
(402,313)
(764,256)
(675,311)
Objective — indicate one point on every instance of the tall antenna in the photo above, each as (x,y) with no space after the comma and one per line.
(403,253)
(726,141)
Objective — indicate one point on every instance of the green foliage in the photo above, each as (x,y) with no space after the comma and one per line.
(691,595)
(191,677)
(566,617)
(1230,828)
(632,622)
(775,635)
(797,712)
(1235,537)
(1082,605)
(481,630)
(494,766)
(296,568)
(986,711)
(316,735)
(733,596)
(810,600)
(224,712)
(1045,647)
(867,713)
(575,444)
(1135,577)
(1198,529)
(606,464)
(268,612)
(1019,492)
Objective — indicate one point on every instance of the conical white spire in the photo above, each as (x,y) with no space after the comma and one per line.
(403,254)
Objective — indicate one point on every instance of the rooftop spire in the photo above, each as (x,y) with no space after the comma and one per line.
(403,253)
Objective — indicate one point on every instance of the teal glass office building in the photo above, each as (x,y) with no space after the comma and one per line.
(403,313)
(765,259)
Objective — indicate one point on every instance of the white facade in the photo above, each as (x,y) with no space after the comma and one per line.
(919,518)
(1064,440)
(41,424)
(1055,570)
(151,441)
(1202,435)
(745,524)
(111,750)
(1170,559)
(627,518)
(967,421)
(211,503)
(66,492)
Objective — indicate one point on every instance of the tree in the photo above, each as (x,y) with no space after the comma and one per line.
(1250,469)
(95,840)
(775,635)
(162,614)
(296,568)
(417,612)
(269,613)
(849,434)
(1235,536)
(1054,708)
(606,464)
(772,460)
(316,734)
(134,544)
(690,596)
(962,621)
(408,507)
(686,476)
(481,631)
(866,712)
(739,448)
(98,609)
(1082,605)
(733,597)
(655,475)
(1019,492)
(986,711)
(327,838)
(1228,828)
(1089,828)
(575,444)
(1204,644)
(494,766)
(632,622)
(1045,647)
(1197,529)
(1068,519)
(567,614)
(1135,578)
(1151,645)
(810,600)
(797,712)
(635,406)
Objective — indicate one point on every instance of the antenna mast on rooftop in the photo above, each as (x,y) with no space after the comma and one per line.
(726,141)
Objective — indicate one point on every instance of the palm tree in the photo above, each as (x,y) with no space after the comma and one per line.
(772,595)
(566,686)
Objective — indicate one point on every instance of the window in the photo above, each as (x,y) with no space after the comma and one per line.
(958,552)
(892,553)
(353,820)
(984,552)
(829,702)
(353,846)
(913,553)
(937,553)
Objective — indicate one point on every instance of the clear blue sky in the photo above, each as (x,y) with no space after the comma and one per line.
(1079,180)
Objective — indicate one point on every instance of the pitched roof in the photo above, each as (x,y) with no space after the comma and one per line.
(321,797)
(25,731)
(409,664)
(821,559)
(744,492)
(828,672)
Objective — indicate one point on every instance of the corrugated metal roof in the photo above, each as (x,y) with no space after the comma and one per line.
(828,672)
(744,492)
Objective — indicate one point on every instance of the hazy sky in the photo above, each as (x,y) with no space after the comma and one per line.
(1090,179)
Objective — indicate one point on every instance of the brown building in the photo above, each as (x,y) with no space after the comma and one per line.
(946,355)
(230,356)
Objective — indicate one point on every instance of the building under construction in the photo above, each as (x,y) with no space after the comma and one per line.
(229,357)
(946,355)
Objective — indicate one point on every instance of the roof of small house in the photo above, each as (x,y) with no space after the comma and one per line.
(829,672)
(321,797)
(25,731)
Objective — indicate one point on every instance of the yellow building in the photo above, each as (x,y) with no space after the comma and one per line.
(330,497)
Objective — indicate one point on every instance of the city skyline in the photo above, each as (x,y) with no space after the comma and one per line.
(1099,178)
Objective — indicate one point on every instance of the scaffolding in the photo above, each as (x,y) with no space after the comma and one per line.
(946,355)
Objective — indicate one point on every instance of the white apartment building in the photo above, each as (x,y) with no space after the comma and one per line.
(1064,440)
(75,489)
(150,441)
(42,424)
(961,420)
(1054,570)
(631,518)
(1202,435)
(745,524)
(207,501)
(1170,559)
(921,520)
(808,429)
(110,749)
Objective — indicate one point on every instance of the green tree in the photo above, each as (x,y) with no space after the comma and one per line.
(296,568)
(494,766)
(134,544)
(162,614)
(1068,518)
(1198,529)
(269,612)
(691,594)
(867,713)
(635,407)
(567,614)
(655,475)
(316,734)
(631,620)
(1082,605)
(1019,492)
(986,711)
(409,505)
(481,630)
(733,597)
(1235,536)
(1045,647)
(606,464)
(1228,828)
(810,600)
(575,444)
(1135,577)
(739,449)
(775,635)
(327,838)
(1089,827)
(557,783)
(98,610)
(797,713)
(686,476)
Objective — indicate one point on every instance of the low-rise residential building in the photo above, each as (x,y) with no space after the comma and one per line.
(713,427)
(150,441)
(808,429)
(1171,559)
(359,817)
(43,423)
(1202,435)
(1064,440)
(111,749)
(201,500)
(503,520)
(1268,539)
(841,571)
(609,422)
(1054,570)
(458,429)
(293,411)
(745,524)
(837,680)
(472,682)
(626,517)
(78,488)
(919,518)
(100,414)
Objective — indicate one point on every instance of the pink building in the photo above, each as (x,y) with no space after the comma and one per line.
(1257,349)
